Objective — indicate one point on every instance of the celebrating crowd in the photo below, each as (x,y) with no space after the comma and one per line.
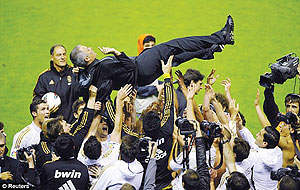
(151,136)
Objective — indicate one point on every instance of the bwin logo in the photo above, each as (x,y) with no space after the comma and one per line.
(72,174)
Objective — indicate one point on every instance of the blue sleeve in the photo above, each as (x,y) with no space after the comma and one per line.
(146,91)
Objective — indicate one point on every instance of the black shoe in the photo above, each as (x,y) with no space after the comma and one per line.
(217,48)
(228,31)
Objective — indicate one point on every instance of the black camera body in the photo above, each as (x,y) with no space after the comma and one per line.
(285,68)
(20,153)
(144,142)
(288,118)
(186,128)
(211,129)
(291,171)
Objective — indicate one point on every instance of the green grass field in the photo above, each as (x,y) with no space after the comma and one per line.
(264,31)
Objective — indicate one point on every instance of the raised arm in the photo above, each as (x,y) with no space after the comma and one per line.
(167,121)
(260,114)
(219,111)
(228,155)
(122,94)
(227,84)
(270,107)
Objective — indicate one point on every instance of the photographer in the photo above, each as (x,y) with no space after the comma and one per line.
(289,178)
(286,130)
(11,170)
(199,179)
(177,164)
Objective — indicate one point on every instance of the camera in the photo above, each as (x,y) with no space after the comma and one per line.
(211,129)
(291,171)
(288,118)
(285,68)
(20,153)
(186,128)
(144,142)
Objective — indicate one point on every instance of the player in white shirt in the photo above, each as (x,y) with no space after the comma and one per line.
(128,169)
(267,156)
(243,162)
(30,135)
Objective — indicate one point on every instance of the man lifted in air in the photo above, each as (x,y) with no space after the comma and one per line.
(113,72)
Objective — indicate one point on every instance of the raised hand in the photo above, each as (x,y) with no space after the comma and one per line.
(98,106)
(233,110)
(210,91)
(124,92)
(108,50)
(211,79)
(166,68)
(227,84)
(191,91)
(93,90)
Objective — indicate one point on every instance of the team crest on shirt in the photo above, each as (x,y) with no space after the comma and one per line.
(69,79)
(51,82)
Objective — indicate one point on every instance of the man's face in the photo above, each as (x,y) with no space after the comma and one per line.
(66,126)
(259,141)
(91,55)
(103,128)
(79,111)
(292,107)
(148,45)
(59,57)
(2,147)
(198,85)
(42,113)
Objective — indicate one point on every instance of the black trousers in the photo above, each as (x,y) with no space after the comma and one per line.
(183,49)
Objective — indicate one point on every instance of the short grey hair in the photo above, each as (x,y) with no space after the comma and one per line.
(77,57)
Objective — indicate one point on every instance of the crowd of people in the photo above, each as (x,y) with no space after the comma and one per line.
(151,136)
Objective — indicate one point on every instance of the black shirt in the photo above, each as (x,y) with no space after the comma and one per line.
(64,84)
(65,174)
(164,140)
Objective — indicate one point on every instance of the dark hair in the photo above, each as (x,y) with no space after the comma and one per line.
(243,118)
(191,180)
(271,136)
(64,146)
(237,181)
(53,47)
(292,98)
(127,186)
(53,127)
(33,106)
(1,125)
(129,148)
(149,39)
(92,148)
(192,75)
(151,124)
(241,148)
(223,100)
(76,105)
(288,183)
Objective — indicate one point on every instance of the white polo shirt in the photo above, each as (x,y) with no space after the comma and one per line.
(29,135)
